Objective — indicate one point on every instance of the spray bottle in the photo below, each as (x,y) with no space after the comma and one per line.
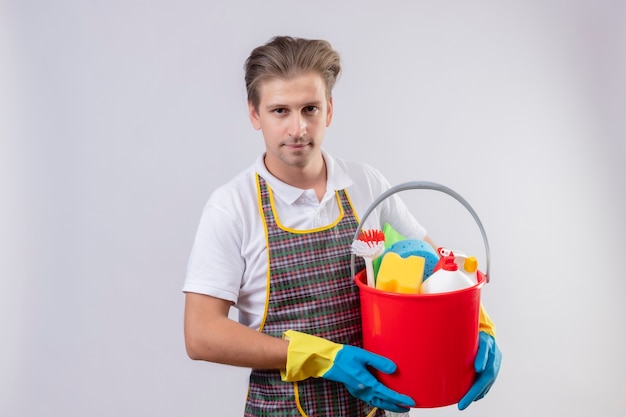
(447,276)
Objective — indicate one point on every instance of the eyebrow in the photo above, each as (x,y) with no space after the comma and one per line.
(278,105)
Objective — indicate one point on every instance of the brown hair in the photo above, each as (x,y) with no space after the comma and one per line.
(286,57)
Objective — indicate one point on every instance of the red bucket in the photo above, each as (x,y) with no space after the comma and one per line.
(432,338)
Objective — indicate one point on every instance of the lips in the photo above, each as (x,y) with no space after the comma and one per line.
(297,145)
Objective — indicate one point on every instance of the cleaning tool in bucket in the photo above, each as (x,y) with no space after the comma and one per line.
(468,265)
(432,338)
(401,275)
(391,236)
(416,247)
(447,277)
(369,244)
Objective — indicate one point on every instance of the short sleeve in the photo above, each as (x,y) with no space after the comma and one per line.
(215,265)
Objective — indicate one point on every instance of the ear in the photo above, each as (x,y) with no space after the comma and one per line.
(329,113)
(254,116)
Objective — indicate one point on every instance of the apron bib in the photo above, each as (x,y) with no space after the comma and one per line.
(310,290)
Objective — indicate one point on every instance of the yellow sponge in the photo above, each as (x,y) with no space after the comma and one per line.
(401,275)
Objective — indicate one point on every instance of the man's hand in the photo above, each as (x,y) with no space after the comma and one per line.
(487,366)
(311,356)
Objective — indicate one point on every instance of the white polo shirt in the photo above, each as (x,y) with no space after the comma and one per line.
(229,255)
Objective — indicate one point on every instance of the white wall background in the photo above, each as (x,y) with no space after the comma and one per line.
(118,118)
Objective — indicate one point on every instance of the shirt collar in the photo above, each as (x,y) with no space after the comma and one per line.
(336,179)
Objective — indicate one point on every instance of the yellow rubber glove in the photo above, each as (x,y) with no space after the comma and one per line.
(311,356)
(485,324)
(308,356)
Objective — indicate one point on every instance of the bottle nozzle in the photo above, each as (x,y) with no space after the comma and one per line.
(449,264)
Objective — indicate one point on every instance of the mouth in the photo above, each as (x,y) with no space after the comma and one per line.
(296,145)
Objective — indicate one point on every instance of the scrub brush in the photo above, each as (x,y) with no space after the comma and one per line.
(369,244)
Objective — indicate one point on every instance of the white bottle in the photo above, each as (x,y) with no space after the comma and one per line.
(446,278)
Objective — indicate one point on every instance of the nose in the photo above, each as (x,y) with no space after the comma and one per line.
(297,128)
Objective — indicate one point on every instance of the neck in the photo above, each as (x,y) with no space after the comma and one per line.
(312,176)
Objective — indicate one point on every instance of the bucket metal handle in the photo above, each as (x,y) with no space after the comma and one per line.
(424,185)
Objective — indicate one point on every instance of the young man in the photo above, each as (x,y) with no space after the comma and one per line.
(275,243)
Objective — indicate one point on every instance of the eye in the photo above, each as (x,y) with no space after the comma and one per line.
(279,110)
(310,109)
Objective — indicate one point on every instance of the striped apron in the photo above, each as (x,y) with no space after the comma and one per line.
(310,290)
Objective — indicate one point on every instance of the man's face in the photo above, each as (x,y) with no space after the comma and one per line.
(293,116)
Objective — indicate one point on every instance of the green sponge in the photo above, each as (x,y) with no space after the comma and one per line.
(391,236)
